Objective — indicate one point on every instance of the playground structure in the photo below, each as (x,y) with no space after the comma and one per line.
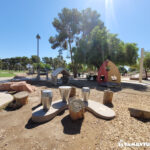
(64,79)
(109,74)
(76,106)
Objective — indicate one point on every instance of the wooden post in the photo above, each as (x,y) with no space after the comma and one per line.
(76,109)
(108,95)
(141,113)
(141,65)
(73,92)
(54,80)
(21,98)
(46,74)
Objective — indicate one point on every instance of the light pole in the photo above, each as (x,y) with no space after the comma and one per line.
(141,65)
(38,69)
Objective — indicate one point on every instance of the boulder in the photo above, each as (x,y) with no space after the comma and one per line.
(22,86)
(6,86)
(17,86)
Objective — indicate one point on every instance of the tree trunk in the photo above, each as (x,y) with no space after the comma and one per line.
(72,62)
(146,77)
(74,71)
(21,98)
(76,109)
(107,99)
(70,51)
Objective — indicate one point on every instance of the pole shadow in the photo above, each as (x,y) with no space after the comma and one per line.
(38,105)
(30,124)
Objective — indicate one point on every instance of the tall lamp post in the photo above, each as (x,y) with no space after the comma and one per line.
(141,65)
(38,69)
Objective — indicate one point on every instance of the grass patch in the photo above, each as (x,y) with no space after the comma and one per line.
(9,73)
(4,73)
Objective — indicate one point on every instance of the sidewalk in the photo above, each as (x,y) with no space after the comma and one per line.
(5,79)
(144,82)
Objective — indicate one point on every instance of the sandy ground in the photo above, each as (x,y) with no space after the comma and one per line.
(18,132)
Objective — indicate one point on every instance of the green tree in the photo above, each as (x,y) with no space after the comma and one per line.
(0,64)
(41,65)
(135,67)
(48,60)
(57,62)
(147,63)
(35,65)
(89,20)
(91,50)
(34,59)
(101,45)
(47,66)
(45,60)
(131,51)
(5,64)
(24,61)
(122,70)
(88,40)
(68,27)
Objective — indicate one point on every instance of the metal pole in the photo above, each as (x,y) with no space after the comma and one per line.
(141,65)
(38,47)
(38,71)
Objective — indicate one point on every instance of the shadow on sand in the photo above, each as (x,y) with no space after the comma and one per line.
(97,86)
(71,127)
(92,84)
(38,105)
(44,83)
(142,120)
(30,124)
(109,105)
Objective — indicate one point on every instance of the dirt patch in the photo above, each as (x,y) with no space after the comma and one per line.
(18,132)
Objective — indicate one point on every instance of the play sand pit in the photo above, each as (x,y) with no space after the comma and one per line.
(17,131)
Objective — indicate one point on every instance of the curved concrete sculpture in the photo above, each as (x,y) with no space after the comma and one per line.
(5,99)
(39,115)
(62,71)
(99,109)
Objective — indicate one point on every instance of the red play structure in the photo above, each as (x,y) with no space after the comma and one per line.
(102,73)
(108,73)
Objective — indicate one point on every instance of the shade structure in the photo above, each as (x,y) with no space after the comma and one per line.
(109,73)
(58,71)
(62,71)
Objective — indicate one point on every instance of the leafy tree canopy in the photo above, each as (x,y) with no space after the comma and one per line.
(89,42)
(147,63)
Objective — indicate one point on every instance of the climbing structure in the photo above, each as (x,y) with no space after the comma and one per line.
(62,71)
(109,74)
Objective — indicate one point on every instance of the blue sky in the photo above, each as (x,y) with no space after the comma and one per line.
(21,20)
